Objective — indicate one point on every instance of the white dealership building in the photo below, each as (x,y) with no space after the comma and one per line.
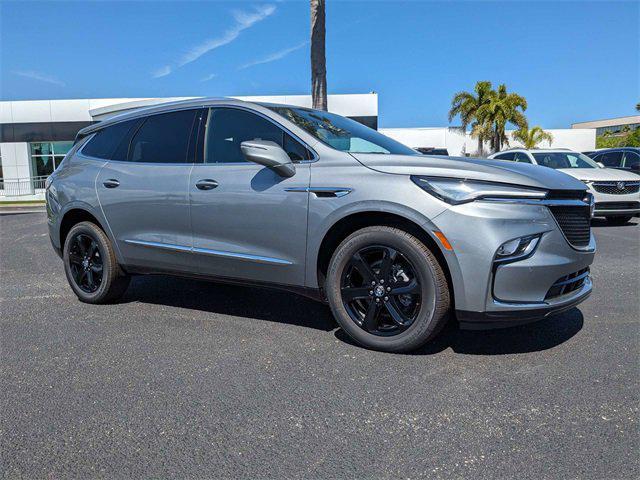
(35,135)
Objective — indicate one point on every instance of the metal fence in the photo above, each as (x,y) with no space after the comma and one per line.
(16,187)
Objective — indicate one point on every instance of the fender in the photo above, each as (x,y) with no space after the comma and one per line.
(317,234)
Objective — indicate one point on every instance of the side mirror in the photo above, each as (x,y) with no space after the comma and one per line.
(269,154)
(601,165)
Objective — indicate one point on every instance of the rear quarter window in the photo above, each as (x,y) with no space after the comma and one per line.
(106,141)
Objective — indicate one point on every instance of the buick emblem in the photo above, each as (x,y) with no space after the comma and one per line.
(620,185)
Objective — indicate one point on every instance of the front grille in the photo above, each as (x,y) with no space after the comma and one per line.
(575,223)
(617,205)
(616,188)
(566,195)
(567,284)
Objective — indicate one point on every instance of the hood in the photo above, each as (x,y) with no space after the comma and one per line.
(612,174)
(472,169)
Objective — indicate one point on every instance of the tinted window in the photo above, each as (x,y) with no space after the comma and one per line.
(505,156)
(105,141)
(163,138)
(227,128)
(611,159)
(632,160)
(521,157)
(296,151)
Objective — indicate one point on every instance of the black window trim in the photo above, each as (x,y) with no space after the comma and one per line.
(200,154)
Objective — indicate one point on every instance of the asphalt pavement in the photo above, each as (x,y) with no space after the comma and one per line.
(189,379)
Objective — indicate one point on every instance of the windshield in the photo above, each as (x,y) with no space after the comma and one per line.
(564,160)
(341,133)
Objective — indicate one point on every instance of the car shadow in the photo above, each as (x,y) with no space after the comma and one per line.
(285,307)
(235,300)
(542,335)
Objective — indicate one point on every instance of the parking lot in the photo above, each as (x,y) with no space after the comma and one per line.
(194,379)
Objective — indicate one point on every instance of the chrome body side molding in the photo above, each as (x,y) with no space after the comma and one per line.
(207,251)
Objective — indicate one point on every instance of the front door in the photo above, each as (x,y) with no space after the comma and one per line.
(248,222)
(144,196)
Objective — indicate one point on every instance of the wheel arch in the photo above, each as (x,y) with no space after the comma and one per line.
(72,217)
(352,222)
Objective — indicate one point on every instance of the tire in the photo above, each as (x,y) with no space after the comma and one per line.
(618,220)
(88,255)
(424,307)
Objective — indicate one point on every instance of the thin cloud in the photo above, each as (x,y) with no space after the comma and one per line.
(274,56)
(243,21)
(209,77)
(42,77)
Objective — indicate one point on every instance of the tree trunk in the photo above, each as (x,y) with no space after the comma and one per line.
(480,146)
(318,59)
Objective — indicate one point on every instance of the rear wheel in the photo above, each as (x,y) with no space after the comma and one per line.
(387,290)
(618,220)
(90,265)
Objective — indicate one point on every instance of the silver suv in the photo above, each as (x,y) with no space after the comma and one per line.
(313,202)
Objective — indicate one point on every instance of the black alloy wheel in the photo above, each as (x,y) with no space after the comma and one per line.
(91,266)
(85,262)
(380,290)
(387,290)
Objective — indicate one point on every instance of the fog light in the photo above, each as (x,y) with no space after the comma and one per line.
(517,249)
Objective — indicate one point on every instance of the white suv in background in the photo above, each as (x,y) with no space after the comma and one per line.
(616,192)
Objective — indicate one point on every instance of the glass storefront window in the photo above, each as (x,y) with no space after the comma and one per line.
(46,156)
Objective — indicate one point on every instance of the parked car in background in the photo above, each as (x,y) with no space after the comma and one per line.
(616,192)
(624,158)
(310,201)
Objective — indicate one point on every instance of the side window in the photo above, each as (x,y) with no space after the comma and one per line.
(163,138)
(631,160)
(296,151)
(227,128)
(521,157)
(505,156)
(611,159)
(105,142)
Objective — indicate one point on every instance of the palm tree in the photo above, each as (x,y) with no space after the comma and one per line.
(467,106)
(503,108)
(532,137)
(638,107)
(318,59)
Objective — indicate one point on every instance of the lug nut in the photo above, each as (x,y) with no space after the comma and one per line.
(373,283)
(377,300)
(381,282)
(388,289)
(370,292)
(386,298)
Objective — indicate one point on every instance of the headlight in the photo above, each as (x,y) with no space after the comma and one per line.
(459,190)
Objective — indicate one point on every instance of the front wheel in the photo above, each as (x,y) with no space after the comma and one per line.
(90,265)
(387,290)
(618,220)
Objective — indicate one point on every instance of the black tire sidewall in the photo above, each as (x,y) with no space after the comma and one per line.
(108,265)
(427,270)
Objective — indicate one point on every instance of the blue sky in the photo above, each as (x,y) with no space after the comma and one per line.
(573,61)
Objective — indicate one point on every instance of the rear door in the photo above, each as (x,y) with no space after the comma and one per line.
(143,192)
(248,222)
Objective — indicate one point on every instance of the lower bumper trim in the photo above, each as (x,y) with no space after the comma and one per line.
(512,318)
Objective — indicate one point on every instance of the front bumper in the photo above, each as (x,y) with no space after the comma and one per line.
(492,295)
(522,314)
(608,204)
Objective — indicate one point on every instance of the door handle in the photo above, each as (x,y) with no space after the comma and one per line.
(111,183)
(206,184)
